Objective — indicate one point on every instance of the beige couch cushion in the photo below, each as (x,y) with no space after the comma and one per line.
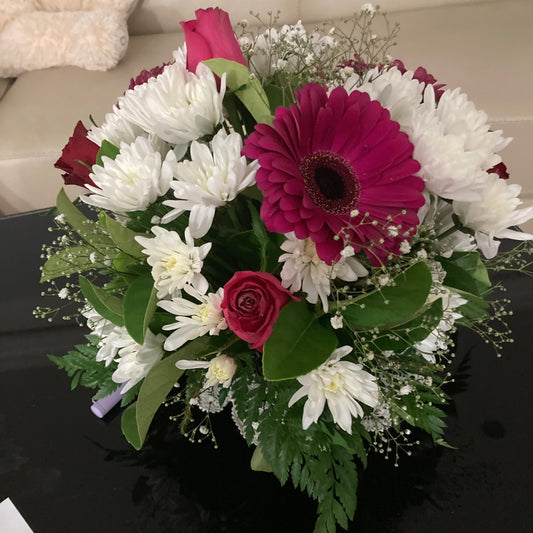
(31,138)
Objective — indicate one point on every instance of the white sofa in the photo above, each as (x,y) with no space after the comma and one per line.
(483,46)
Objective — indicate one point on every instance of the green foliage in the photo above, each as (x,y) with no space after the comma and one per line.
(106,304)
(465,271)
(68,261)
(400,338)
(107,149)
(158,383)
(81,365)
(140,303)
(248,89)
(298,343)
(123,237)
(392,305)
(89,231)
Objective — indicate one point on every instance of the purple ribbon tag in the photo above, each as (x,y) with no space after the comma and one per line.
(101,407)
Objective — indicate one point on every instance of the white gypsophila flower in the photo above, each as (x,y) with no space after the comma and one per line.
(115,129)
(492,216)
(193,320)
(336,321)
(437,215)
(135,361)
(216,174)
(340,384)
(397,92)
(175,263)
(368,8)
(379,420)
(268,53)
(111,337)
(63,293)
(178,106)
(208,400)
(133,180)
(304,270)
(453,145)
(220,369)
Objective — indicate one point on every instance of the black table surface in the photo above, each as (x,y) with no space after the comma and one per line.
(68,471)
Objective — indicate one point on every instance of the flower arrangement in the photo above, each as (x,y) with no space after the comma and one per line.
(287,226)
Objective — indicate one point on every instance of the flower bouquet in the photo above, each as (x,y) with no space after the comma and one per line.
(288,227)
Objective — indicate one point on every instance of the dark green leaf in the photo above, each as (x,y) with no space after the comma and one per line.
(391,305)
(128,425)
(466,271)
(297,345)
(67,261)
(416,330)
(123,237)
(140,303)
(104,303)
(88,230)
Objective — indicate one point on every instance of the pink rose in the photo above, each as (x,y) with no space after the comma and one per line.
(210,36)
(79,148)
(251,305)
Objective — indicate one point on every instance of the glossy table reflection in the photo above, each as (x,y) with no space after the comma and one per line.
(67,471)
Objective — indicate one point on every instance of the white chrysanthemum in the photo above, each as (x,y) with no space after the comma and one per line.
(115,129)
(342,385)
(133,180)
(216,174)
(453,145)
(492,216)
(220,369)
(178,106)
(193,320)
(437,215)
(135,361)
(397,92)
(112,337)
(304,270)
(175,263)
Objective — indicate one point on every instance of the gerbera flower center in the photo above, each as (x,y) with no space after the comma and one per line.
(330,181)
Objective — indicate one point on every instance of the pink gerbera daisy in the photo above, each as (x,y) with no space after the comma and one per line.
(338,170)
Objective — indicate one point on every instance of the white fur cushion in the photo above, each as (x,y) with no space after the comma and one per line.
(94,40)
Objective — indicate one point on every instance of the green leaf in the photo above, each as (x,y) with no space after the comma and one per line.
(108,306)
(88,230)
(140,303)
(466,271)
(107,149)
(67,261)
(258,462)
(123,237)
(160,380)
(297,345)
(416,330)
(475,308)
(128,425)
(247,89)
(391,305)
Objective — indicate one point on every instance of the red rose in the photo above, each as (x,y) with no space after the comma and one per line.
(251,305)
(79,148)
(210,36)
(501,170)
